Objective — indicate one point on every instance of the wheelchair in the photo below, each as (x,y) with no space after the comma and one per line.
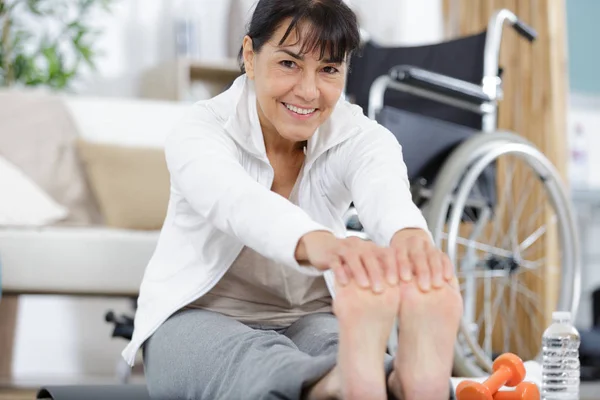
(493,202)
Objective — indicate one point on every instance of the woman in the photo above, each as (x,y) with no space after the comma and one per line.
(236,302)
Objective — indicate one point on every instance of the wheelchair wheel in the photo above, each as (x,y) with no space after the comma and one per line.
(507,247)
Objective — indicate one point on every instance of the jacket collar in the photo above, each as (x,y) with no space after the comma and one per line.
(243,124)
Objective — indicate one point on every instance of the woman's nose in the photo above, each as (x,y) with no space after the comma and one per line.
(307,88)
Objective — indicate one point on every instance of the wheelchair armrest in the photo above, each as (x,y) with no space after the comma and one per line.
(439,84)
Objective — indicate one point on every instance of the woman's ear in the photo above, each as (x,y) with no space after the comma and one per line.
(248,55)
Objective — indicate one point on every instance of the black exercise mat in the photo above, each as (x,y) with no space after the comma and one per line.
(94,392)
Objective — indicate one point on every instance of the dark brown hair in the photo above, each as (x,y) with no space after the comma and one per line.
(332,26)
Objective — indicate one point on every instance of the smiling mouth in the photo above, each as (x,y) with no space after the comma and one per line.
(298,110)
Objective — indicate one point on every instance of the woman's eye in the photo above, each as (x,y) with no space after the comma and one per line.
(288,63)
(330,70)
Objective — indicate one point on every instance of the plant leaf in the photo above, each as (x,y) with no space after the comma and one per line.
(87,54)
(41,59)
(34,7)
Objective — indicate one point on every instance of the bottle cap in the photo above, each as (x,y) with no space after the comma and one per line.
(561,316)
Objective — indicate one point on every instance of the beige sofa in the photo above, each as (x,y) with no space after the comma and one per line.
(102,160)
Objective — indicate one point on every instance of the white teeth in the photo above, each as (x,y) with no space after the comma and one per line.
(302,111)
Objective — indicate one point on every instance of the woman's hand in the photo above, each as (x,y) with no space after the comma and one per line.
(418,257)
(350,258)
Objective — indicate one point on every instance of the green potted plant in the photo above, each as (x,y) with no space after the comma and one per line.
(47,42)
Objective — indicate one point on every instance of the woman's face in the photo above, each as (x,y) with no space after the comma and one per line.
(295,92)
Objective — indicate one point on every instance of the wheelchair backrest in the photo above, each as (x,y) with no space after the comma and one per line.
(460,58)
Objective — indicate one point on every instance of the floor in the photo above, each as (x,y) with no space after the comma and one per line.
(589,391)
(17,394)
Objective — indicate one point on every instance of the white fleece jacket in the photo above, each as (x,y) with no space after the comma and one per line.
(221,200)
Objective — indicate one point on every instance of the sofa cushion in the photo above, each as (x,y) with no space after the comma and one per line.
(22,202)
(131,184)
(37,135)
(75,260)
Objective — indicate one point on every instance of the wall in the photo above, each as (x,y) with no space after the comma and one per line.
(584,63)
(75,340)
(141,34)
(584,116)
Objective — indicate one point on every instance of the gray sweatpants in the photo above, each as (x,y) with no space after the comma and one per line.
(198,354)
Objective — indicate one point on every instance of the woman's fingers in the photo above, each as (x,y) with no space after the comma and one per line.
(421,267)
(369,264)
(353,261)
(436,268)
(405,267)
(447,267)
(373,266)
(390,265)
(340,273)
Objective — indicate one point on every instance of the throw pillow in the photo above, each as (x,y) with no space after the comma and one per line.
(37,135)
(131,184)
(22,202)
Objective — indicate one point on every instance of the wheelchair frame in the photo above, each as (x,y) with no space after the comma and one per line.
(472,156)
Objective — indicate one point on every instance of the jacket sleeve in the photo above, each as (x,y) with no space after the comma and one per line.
(205,169)
(376,175)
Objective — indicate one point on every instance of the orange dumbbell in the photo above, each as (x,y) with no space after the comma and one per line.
(523,391)
(509,370)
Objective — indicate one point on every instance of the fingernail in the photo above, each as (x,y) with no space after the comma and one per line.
(406,275)
(363,282)
(437,281)
(393,279)
(377,287)
(344,279)
(425,283)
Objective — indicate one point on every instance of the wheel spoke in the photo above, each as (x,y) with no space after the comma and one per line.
(532,299)
(518,212)
(510,320)
(499,220)
(533,266)
(538,233)
(482,273)
(487,343)
(527,305)
(512,302)
(522,200)
(481,246)
(496,305)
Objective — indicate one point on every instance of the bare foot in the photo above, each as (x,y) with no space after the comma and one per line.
(428,326)
(366,320)
(328,388)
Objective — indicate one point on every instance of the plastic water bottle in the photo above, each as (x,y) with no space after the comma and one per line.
(560,366)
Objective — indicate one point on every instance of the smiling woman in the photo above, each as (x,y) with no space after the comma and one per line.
(298,63)
(237,301)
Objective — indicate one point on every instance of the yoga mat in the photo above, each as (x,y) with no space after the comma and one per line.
(94,392)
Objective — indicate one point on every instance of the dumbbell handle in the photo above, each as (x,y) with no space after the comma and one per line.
(498,379)
(525,391)
(511,395)
(507,395)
